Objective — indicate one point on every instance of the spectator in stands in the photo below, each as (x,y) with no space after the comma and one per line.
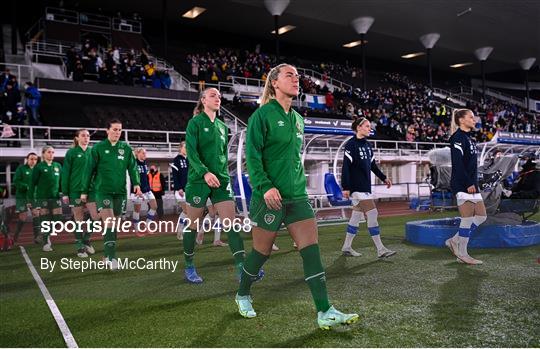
(21,115)
(78,73)
(166,79)
(329,99)
(5,79)
(12,96)
(158,185)
(33,101)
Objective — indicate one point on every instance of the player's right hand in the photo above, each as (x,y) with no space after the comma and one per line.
(211,180)
(273,199)
(65,199)
(346,194)
(471,189)
(84,197)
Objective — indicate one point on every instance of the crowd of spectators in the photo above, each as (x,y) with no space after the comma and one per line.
(17,106)
(114,66)
(221,65)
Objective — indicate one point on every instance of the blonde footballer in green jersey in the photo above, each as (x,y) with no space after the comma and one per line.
(45,191)
(23,181)
(109,161)
(75,165)
(208,178)
(273,154)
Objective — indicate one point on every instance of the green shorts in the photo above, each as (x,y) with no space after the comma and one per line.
(21,205)
(47,204)
(197,194)
(291,212)
(75,200)
(116,202)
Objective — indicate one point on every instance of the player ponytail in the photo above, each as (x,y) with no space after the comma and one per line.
(199,107)
(269,92)
(456,116)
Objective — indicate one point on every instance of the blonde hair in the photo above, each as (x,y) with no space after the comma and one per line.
(199,107)
(269,92)
(456,115)
(44,149)
(75,142)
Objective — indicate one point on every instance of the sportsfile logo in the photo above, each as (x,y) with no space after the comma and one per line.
(127,226)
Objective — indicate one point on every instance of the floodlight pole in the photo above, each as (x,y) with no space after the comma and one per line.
(276,18)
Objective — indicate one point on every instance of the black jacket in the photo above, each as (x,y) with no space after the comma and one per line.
(358,163)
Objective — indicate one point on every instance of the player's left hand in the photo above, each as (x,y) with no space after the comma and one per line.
(137,190)
(388,183)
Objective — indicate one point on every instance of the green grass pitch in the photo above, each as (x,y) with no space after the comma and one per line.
(420,297)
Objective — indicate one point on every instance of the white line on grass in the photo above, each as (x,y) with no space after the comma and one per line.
(62,325)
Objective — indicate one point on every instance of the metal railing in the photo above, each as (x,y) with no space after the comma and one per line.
(126,25)
(455,96)
(35,136)
(94,20)
(21,71)
(51,48)
(240,80)
(504,97)
(323,78)
(61,15)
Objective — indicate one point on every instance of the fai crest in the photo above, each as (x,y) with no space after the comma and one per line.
(107,202)
(269,218)
(121,151)
(197,200)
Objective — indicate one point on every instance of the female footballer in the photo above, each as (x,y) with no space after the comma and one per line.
(358,163)
(73,172)
(108,163)
(274,141)
(208,178)
(23,181)
(146,193)
(45,191)
(464,184)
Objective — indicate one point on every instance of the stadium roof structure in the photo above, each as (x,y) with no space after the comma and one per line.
(511,27)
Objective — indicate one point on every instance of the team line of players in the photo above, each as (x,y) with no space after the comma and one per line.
(94,177)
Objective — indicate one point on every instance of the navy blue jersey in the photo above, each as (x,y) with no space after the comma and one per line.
(464,162)
(143,174)
(179,172)
(358,163)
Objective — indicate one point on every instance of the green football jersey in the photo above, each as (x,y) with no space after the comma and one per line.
(23,181)
(108,165)
(273,145)
(206,145)
(46,180)
(74,169)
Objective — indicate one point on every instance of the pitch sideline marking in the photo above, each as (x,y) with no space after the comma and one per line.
(62,325)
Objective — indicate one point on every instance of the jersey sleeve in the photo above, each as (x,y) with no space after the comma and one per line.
(90,169)
(346,168)
(256,133)
(20,185)
(132,169)
(33,184)
(66,171)
(175,172)
(192,152)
